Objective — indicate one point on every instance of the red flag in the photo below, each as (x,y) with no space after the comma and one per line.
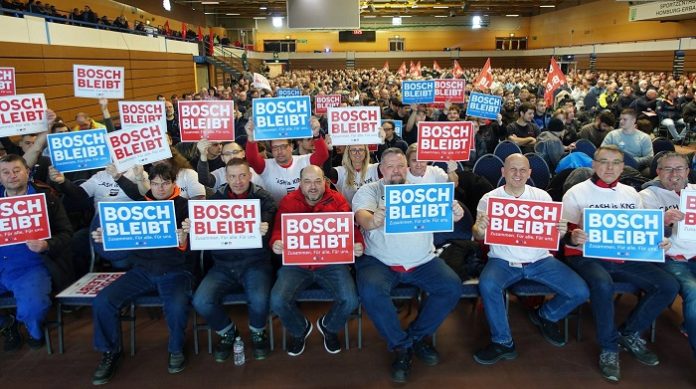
(436,67)
(554,80)
(386,66)
(200,34)
(415,70)
(167,31)
(211,42)
(457,70)
(184,30)
(485,78)
(402,69)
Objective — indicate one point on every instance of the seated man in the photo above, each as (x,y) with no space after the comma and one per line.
(630,140)
(596,131)
(249,268)
(524,131)
(216,179)
(507,265)
(603,190)
(26,269)
(402,258)
(313,196)
(154,270)
(663,193)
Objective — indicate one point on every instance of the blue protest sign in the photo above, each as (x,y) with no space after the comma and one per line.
(625,234)
(138,225)
(418,92)
(484,106)
(398,126)
(79,150)
(282,118)
(418,208)
(288,92)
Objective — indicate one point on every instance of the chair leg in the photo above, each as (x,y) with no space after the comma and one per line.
(210,340)
(271,337)
(360,328)
(434,339)
(565,329)
(578,331)
(132,329)
(284,340)
(195,332)
(59,319)
(652,331)
(345,334)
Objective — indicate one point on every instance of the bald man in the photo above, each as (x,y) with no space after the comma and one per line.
(507,265)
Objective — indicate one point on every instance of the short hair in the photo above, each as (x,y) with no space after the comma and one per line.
(630,112)
(612,148)
(607,118)
(58,125)
(9,158)
(524,107)
(672,154)
(237,162)
(644,125)
(164,171)
(391,150)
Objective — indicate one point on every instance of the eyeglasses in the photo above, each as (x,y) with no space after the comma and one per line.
(357,151)
(233,152)
(279,147)
(606,162)
(670,170)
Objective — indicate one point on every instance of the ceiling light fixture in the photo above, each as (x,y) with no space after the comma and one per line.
(476,22)
(277,21)
(512,15)
(396,21)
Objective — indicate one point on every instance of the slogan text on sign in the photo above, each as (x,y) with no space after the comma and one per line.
(317,238)
(523,223)
(225,224)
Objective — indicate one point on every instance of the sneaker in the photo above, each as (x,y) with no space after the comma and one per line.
(401,367)
(495,352)
(634,344)
(297,344)
(549,329)
(426,352)
(13,340)
(35,344)
(260,344)
(106,368)
(177,361)
(223,350)
(331,343)
(609,365)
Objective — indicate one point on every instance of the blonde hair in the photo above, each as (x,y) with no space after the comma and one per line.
(348,165)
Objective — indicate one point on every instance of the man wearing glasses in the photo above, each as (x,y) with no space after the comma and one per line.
(217,178)
(603,190)
(663,193)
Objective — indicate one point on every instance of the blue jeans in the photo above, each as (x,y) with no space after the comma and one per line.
(498,275)
(254,276)
(685,273)
(175,289)
(31,288)
(293,279)
(375,282)
(660,289)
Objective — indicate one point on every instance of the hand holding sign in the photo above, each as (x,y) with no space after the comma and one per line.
(55,176)
(37,246)
(666,244)
(249,129)
(378,217)
(672,216)
(457,211)
(278,247)
(97,235)
(264,228)
(562,227)
(358,249)
(112,171)
(578,237)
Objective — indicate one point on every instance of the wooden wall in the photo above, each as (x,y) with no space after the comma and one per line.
(690,61)
(48,69)
(645,61)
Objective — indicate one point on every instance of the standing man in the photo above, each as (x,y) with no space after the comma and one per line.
(507,265)
(396,259)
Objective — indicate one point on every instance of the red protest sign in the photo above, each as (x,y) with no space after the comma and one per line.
(451,90)
(445,141)
(138,113)
(686,229)
(22,114)
(554,80)
(523,223)
(225,224)
(98,81)
(212,120)
(317,238)
(322,103)
(7,82)
(354,125)
(23,218)
(138,146)
(89,285)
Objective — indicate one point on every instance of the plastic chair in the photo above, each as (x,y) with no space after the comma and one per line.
(585,146)
(653,164)
(506,148)
(541,175)
(662,144)
(630,161)
(488,167)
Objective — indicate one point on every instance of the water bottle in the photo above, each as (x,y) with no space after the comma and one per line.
(238,349)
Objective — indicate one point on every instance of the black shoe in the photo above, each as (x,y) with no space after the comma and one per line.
(297,344)
(426,352)
(106,368)
(223,350)
(331,343)
(495,352)
(35,344)
(13,340)
(549,329)
(609,366)
(177,361)
(260,344)
(636,345)
(401,367)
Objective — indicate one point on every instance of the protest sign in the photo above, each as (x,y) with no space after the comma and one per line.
(686,228)
(206,119)
(23,218)
(624,234)
(98,81)
(225,224)
(23,114)
(282,118)
(418,208)
(138,225)
(288,92)
(139,113)
(452,90)
(8,83)
(484,106)
(417,92)
(80,150)
(89,285)
(354,125)
(317,238)
(523,223)
(445,141)
(138,146)
(324,102)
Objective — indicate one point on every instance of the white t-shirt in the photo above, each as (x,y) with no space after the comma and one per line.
(655,197)
(509,253)
(407,250)
(348,190)
(280,181)
(433,175)
(221,180)
(187,181)
(101,187)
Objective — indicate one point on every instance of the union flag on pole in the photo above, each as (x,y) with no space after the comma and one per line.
(167,31)
(415,70)
(402,69)
(184,29)
(554,80)
(386,66)
(436,66)
(485,78)
(457,71)
(200,34)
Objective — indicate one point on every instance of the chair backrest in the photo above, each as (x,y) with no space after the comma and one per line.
(630,161)
(552,150)
(505,148)
(653,164)
(530,182)
(585,146)
(488,167)
(662,144)
(541,175)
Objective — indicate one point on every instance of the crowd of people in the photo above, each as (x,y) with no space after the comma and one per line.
(312,176)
